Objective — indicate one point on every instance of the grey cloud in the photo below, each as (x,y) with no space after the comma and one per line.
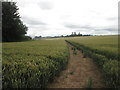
(36,30)
(110,29)
(90,29)
(112,18)
(73,26)
(45,5)
(102,32)
(33,21)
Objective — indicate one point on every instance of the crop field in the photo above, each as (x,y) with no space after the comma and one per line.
(108,44)
(33,64)
(104,51)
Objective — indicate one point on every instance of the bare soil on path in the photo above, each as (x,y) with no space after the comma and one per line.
(79,73)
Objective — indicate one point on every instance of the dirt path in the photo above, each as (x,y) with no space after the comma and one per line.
(80,73)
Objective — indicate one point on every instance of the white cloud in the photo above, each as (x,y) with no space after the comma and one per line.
(45,5)
(54,17)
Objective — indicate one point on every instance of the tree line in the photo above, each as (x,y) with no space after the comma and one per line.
(74,34)
(13,28)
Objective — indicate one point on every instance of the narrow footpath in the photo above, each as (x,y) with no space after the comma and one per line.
(81,72)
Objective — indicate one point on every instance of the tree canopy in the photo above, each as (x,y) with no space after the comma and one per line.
(13,28)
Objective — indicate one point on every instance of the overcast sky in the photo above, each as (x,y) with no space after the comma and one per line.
(62,17)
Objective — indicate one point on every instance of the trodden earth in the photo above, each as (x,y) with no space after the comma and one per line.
(81,72)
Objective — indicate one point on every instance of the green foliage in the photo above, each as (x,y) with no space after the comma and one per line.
(33,64)
(26,38)
(106,59)
(13,28)
(74,51)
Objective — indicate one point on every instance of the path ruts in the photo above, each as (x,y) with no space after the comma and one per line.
(80,73)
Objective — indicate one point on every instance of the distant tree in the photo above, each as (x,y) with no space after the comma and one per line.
(13,28)
(75,34)
(61,36)
(37,37)
(79,34)
(26,38)
(72,34)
